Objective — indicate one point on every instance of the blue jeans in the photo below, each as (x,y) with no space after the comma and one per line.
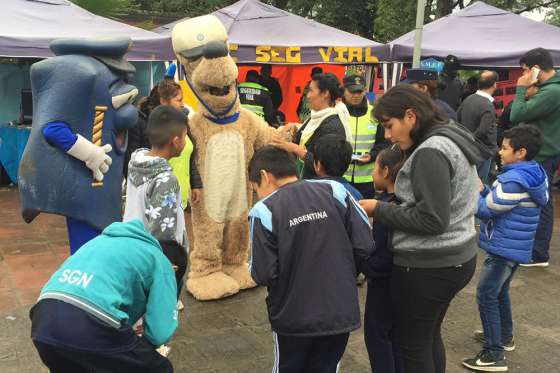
(492,295)
(546,221)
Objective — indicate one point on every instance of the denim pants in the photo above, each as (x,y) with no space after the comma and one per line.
(492,295)
(546,221)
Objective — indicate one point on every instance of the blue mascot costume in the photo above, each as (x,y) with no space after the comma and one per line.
(73,162)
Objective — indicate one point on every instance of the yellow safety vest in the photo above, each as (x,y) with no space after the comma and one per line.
(363,130)
(182,170)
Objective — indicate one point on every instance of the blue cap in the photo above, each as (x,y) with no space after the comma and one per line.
(417,75)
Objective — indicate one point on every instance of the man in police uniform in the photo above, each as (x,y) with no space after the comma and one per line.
(368,138)
(255,97)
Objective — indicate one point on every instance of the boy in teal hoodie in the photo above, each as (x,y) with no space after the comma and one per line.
(84,316)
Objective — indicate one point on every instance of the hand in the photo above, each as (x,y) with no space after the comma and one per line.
(368,205)
(526,80)
(290,147)
(99,161)
(196,195)
(95,157)
(365,158)
(284,133)
(480,186)
(138,328)
(175,268)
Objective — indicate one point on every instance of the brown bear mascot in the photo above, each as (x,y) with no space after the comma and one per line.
(226,136)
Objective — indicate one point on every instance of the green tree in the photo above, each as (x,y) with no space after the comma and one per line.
(106,8)
(383,20)
(553,16)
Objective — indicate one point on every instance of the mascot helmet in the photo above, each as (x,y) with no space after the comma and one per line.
(191,45)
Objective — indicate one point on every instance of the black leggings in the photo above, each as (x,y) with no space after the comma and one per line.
(177,255)
(420,299)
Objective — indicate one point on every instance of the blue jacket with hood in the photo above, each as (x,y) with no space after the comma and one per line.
(510,211)
(119,277)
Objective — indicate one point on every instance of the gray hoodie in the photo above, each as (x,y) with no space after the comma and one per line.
(153,196)
(438,187)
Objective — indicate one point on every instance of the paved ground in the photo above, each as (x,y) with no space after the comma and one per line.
(233,335)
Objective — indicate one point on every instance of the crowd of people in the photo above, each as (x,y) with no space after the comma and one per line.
(389,190)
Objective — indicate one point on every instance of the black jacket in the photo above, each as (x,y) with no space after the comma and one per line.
(137,137)
(478,114)
(330,124)
(309,240)
(258,97)
(275,91)
(380,264)
(445,109)
(451,90)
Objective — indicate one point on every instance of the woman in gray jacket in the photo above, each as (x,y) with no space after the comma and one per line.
(434,241)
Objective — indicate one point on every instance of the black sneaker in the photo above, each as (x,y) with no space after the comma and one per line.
(479,337)
(485,362)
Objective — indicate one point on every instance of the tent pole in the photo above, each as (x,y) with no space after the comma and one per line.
(385,77)
(418,33)
(151,77)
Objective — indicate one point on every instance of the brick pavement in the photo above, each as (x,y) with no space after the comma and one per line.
(233,335)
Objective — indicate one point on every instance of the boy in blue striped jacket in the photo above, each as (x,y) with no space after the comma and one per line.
(509,213)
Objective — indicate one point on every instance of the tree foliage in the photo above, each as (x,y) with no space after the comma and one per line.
(106,8)
(382,20)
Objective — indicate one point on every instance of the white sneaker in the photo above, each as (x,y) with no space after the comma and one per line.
(163,350)
(536,264)
(180,305)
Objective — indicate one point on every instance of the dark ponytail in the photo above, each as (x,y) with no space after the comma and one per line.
(328,82)
(393,158)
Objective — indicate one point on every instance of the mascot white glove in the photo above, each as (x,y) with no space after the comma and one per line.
(95,157)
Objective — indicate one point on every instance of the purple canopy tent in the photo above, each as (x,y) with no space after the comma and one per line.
(261,33)
(28,26)
(481,36)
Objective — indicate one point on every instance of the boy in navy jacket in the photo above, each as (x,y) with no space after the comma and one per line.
(509,213)
(309,239)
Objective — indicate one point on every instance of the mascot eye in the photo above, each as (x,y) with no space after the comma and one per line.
(125,98)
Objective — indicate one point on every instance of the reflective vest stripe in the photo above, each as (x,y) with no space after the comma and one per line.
(252,85)
(362,173)
(364,138)
(364,130)
(255,109)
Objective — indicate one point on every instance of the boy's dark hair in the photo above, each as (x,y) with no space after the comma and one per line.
(487,79)
(537,56)
(278,162)
(334,153)
(393,158)
(525,136)
(164,123)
